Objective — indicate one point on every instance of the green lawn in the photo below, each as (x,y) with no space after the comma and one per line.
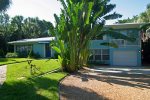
(20,85)
(11,60)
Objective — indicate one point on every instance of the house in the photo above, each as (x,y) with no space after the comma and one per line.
(39,46)
(127,53)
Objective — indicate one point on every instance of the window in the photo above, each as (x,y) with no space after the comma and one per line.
(99,55)
(22,48)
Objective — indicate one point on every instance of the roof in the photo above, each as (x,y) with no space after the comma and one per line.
(48,39)
(125,25)
(39,40)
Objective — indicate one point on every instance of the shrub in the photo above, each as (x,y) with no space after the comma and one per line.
(2,54)
(56,55)
(23,54)
(11,55)
(33,55)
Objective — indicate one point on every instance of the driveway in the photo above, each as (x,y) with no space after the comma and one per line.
(3,70)
(107,83)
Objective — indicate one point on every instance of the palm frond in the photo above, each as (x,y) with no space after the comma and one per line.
(115,35)
(145,26)
(112,16)
(114,45)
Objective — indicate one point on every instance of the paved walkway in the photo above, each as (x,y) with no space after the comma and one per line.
(3,70)
(107,84)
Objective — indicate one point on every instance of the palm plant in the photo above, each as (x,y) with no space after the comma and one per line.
(145,16)
(79,22)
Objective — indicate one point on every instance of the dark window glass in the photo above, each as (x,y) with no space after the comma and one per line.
(105,57)
(97,57)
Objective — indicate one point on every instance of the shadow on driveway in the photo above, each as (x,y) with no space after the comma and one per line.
(102,83)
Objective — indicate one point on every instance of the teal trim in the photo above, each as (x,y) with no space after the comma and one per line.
(124,48)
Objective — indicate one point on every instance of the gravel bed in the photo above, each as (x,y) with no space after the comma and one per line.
(86,85)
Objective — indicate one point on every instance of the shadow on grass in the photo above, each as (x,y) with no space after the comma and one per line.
(3,59)
(76,93)
(15,62)
(33,89)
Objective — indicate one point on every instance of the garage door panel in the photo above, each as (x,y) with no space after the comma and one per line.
(125,58)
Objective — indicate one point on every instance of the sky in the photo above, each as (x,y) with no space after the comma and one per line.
(45,9)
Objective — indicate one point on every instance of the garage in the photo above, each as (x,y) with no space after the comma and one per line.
(125,58)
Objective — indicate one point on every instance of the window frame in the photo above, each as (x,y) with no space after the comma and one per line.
(101,53)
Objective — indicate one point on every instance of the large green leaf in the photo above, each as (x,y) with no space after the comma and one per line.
(112,16)
(56,49)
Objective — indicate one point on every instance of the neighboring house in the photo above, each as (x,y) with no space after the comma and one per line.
(127,53)
(40,46)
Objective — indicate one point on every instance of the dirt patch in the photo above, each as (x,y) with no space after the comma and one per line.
(86,85)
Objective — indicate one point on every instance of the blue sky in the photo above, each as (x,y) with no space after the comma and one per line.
(45,9)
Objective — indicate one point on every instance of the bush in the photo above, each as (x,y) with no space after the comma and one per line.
(11,55)
(23,54)
(33,55)
(2,54)
(56,55)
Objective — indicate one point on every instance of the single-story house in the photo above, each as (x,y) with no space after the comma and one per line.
(39,46)
(127,53)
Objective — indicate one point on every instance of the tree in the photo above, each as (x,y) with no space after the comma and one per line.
(34,28)
(4,31)
(145,16)
(17,26)
(79,22)
(142,17)
(129,20)
(4,4)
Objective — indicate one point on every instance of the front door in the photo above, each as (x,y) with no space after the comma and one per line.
(48,50)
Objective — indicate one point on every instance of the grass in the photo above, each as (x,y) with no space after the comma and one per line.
(20,85)
(4,61)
